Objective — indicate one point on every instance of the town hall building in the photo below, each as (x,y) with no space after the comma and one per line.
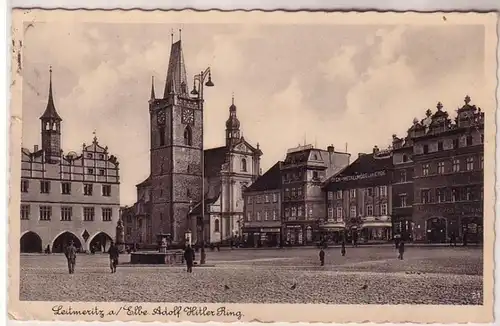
(64,197)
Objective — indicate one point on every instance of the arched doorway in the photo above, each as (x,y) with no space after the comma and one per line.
(100,242)
(31,242)
(436,230)
(63,240)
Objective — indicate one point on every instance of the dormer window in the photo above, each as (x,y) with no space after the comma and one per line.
(469,141)
(89,155)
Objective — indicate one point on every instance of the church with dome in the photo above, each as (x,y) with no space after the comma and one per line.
(190,189)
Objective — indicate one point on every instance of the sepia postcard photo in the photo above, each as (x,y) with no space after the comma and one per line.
(239,166)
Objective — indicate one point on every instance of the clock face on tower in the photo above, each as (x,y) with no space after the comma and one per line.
(188,116)
(161,117)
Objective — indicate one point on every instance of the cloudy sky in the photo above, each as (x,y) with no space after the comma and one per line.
(336,84)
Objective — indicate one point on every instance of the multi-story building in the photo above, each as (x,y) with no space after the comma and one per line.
(262,199)
(303,202)
(402,187)
(183,172)
(67,196)
(358,200)
(448,175)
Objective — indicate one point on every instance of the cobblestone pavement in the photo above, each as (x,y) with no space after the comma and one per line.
(366,275)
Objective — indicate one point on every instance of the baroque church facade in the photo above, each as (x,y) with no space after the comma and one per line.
(64,197)
(189,189)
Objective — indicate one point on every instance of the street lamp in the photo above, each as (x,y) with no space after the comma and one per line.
(188,235)
(199,94)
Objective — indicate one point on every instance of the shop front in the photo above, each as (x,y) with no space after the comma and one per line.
(472,229)
(300,235)
(257,237)
(376,232)
(332,233)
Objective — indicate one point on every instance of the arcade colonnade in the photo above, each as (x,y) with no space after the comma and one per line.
(33,242)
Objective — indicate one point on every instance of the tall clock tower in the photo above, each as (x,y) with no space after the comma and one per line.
(176,122)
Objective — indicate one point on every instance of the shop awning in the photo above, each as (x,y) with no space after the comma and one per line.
(376,224)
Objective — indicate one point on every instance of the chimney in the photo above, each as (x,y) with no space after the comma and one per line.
(330,149)
(375,149)
(36,148)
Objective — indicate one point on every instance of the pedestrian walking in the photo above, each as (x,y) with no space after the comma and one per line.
(401,250)
(453,239)
(322,257)
(70,253)
(114,253)
(189,258)
(342,249)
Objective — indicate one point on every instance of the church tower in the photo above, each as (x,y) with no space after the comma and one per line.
(176,144)
(232,126)
(51,129)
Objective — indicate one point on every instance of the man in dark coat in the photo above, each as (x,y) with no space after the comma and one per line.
(342,250)
(401,249)
(70,253)
(189,258)
(114,253)
(322,257)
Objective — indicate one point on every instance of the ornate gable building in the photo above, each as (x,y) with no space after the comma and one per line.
(447,160)
(67,197)
(183,173)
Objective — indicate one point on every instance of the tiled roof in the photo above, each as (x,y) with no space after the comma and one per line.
(364,164)
(145,183)
(214,158)
(197,208)
(268,181)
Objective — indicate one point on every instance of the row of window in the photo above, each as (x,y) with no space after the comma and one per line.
(263,199)
(88,188)
(443,168)
(353,211)
(90,155)
(454,194)
(46,213)
(469,141)
(299,211)
(380,191)
(266,215)
(298,176)
(293,193)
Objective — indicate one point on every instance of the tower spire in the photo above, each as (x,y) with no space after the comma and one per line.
(50,111)
(153,97)
(232,125)
(176,74)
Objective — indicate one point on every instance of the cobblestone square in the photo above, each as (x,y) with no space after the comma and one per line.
(366,275)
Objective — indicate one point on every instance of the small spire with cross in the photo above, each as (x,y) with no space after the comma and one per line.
(95,136)
(232,98)
(467,99)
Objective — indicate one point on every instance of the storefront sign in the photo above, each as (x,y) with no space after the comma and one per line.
(458,210)
(275,230)
(360,176)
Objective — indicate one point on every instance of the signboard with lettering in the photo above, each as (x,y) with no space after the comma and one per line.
(455,209)
(361,176)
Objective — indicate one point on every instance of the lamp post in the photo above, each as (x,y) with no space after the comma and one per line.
(188,234)
(199,93)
